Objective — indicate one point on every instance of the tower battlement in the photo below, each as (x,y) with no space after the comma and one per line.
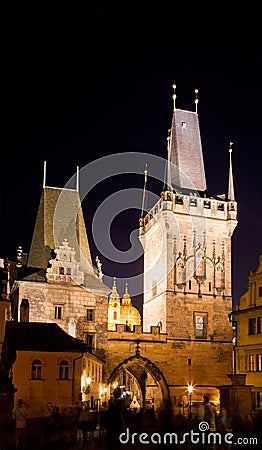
(191,205)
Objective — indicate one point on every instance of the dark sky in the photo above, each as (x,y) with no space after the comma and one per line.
(81,86)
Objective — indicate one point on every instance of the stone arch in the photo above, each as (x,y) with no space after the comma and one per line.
(149,366)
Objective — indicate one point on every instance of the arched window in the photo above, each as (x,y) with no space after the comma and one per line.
(115,315)
(63,370)
(36,373)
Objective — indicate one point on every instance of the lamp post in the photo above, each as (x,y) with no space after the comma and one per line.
(190,389)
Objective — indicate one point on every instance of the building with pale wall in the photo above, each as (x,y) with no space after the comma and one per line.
(50,367)
(248,349)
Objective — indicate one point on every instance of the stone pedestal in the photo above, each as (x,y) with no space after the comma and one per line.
(237,398)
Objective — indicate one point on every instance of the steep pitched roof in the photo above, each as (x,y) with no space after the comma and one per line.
(59,216)
(185,154)
(36,336)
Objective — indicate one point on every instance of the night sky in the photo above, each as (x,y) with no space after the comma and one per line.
(82,86)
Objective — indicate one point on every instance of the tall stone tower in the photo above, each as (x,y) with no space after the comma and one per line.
(186,239)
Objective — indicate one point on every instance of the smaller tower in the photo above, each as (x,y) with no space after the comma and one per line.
(114,308)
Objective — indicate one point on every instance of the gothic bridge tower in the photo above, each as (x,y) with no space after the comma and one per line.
(186,239)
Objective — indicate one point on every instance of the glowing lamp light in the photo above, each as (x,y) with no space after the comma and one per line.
(190,389)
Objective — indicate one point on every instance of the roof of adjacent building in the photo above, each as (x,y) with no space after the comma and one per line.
(59,216)
(185,154)
(37,336)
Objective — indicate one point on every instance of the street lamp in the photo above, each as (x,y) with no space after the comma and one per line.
(105,392)
(190,389)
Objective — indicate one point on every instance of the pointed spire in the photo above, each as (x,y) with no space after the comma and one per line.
(114,293)
(196,99)
(230,195)
(174,96)
(144,193)
(77,179)
(126,297)
(44,177)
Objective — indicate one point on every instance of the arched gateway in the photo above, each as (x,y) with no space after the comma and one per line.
(141,378)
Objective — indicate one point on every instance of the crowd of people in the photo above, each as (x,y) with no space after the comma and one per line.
(81,424)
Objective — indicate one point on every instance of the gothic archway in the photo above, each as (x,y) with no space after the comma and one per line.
(143,370)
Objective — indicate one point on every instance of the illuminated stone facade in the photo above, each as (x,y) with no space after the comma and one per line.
(248,315)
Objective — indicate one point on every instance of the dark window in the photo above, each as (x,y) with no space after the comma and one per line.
(115,315)
(189,285)
(209,286)
(68,271)
(179,200)
(63,370)
(90,315)
(89,340)
(36,372)
(206,204)
(58,312)
(252,326)
(61,271)
(260,291)
(259,325)
(220,206)
(189,361)
(193,202)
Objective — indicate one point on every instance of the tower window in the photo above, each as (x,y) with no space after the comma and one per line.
(189,361)
(183,124)
(209,286)
(89,340)
(200,323)
(89,315)
(61,271)
(206,204)
(36,372)
(220,207)
(63,370)
(193,202)
(58,312)
(68,270)
(179,200)
(189,285)
(115,315)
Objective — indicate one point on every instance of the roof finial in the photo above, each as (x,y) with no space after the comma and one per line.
(144,192)
(77,178)
(167,180)
(174,96)
(126,288)
(196,99)
(44,178)
(231,194)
